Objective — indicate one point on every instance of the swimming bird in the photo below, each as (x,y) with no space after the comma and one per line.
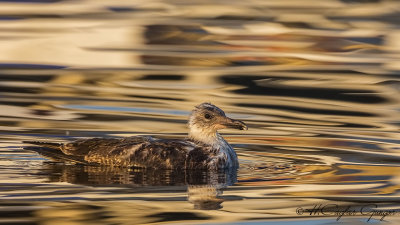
(204,148)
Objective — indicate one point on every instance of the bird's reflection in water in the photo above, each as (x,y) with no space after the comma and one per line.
(205,196)
(204,188)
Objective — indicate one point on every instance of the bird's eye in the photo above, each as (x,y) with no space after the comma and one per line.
(207,116)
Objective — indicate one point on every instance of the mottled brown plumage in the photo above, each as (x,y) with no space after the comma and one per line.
(204,149)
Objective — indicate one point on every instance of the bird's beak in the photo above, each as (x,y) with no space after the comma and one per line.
(231,123)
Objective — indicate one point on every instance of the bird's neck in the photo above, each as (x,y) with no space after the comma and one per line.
(224,150)
(205,136)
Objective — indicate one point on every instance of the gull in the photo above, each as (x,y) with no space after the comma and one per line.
(204,148)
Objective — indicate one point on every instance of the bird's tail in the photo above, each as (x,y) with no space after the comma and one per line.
(45,144)
(53,151)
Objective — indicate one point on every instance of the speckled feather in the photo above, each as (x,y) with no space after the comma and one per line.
(134,152)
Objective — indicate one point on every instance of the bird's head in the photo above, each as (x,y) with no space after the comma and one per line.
(206,119)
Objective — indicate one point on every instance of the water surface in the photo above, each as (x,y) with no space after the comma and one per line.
(316,82)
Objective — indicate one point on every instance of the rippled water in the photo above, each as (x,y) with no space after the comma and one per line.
(316,81)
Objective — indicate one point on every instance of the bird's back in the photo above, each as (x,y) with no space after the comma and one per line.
(140,152)
(136,151)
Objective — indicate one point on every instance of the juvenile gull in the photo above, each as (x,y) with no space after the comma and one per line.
(204,148)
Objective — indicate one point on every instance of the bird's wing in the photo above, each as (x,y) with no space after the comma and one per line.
(77,151)
(149,153)
(135,151)
(101,145)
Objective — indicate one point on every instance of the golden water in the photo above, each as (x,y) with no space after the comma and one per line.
(316,81)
